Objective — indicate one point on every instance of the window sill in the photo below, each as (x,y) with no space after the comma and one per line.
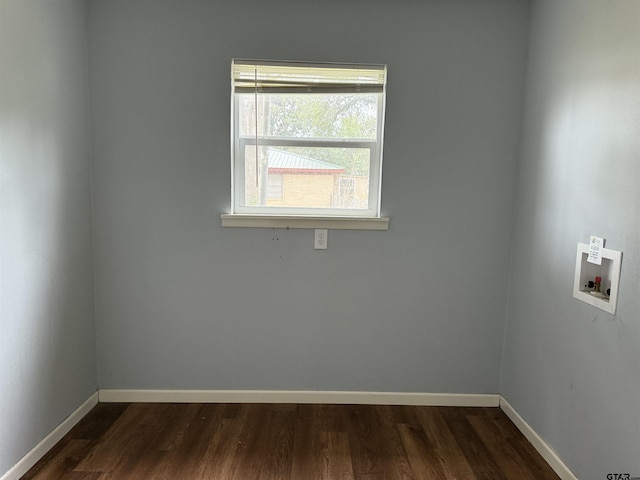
(301,221)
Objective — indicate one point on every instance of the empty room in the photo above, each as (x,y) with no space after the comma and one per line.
(365,239)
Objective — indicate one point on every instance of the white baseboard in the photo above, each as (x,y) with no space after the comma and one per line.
(538,443)
(31,458)
(284,396)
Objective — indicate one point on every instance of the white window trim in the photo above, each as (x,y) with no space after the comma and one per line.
(341,220)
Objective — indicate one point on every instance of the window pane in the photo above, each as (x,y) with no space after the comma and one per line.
(307,177)
(347,116)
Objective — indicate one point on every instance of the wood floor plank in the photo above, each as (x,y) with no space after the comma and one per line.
(454,464)
(307,458)
(65,460)
(502,452)
(375,443)
(337,456)
(253,450)
(178,417)
(219,460)
(530,456)
(277,463)
(291,442)
(421,453)
(472,447)
(92,426)
(143,452)
(397,464)
(88,476)
(157,457)
(363,440)
(199,439)
(116,442)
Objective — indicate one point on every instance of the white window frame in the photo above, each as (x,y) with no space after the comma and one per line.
(287,217)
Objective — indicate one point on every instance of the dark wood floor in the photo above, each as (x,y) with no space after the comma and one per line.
(298,442)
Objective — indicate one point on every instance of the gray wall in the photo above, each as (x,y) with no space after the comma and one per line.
(570,369)
(184,303)
(47,341)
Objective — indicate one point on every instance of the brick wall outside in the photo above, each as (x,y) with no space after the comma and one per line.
(301,190)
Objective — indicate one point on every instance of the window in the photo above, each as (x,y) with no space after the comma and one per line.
(307,138)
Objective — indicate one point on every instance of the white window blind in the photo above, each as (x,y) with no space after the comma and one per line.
(279,77)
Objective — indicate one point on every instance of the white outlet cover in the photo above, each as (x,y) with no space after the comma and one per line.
(320,239)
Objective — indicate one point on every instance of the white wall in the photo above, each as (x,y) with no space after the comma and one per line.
(571,370)
(47,342)
(184,303)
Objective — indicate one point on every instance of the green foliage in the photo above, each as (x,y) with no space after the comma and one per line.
(326,116)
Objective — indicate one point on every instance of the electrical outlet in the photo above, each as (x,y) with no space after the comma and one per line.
(321,239)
